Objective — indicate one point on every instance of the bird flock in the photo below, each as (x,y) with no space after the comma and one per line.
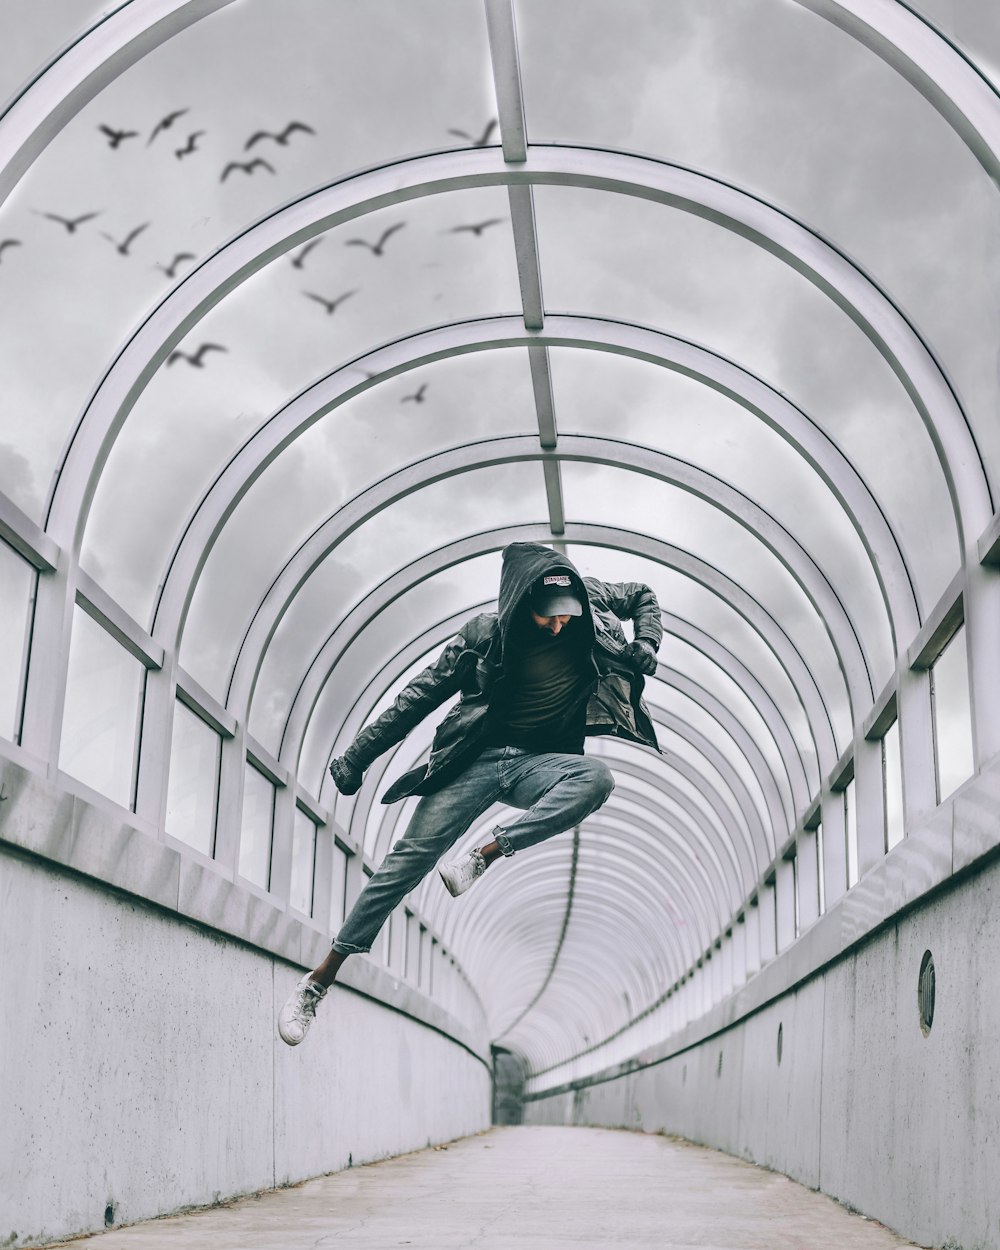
(189,146)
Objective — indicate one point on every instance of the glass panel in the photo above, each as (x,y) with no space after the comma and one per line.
(619,397)
(338,890)
(850,806)
(893,774)
(335,60)
(431,518)
(457,592)
(736,86)
(628,500)
(952,716)
(33,33)
(18,580)
(693,603)
(820,869)
(194,780)
(194,420)
(101,712)
(974,27)
(632,260)
(303,858)
(258,821)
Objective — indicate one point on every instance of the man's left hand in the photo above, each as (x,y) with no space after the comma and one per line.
(642,656)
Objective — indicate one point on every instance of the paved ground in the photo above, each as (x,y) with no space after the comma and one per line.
(527,1189)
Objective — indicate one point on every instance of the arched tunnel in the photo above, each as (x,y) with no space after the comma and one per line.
(310,311)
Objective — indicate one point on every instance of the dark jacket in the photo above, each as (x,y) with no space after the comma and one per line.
(472,664)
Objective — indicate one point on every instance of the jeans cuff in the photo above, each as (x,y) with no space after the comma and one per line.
(503,842)
(347,948)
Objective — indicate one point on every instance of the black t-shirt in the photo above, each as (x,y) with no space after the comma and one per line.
(540,704)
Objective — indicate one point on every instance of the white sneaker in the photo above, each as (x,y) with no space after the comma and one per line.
(461,874)
(299,1011)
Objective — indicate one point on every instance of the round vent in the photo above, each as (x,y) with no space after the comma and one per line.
(925,992)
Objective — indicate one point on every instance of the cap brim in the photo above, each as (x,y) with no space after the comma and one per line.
(559,604)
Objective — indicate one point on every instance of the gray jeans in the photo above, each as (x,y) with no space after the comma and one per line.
(554,791)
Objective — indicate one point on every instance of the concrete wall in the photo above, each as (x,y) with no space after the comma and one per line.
(902,1126)
(140,1065)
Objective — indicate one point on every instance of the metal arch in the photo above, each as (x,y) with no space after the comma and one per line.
(657,551)
(437,634)
(758,696)
(651,346)
(490,923)
(794,558)
(905,41)
(789,240)
(739,735)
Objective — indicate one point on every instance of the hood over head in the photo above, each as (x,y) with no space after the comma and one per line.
(523,565)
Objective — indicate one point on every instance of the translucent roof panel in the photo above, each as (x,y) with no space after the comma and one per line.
(684,598)
(633,261)
(974,28)
(783,103)
(637,402)
(31,37)
(195,421)
(328,70)
(472,503)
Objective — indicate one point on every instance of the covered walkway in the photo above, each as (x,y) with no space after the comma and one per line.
(310,309)
(528,1189)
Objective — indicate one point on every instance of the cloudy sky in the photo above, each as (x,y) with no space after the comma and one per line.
(761,93)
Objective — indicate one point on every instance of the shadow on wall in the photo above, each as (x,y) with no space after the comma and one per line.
(508,1087)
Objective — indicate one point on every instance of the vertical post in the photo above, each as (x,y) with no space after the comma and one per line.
(834,809)
(807,858)
(156,730)
(282,843)
(869,800)
(784,903)
(768,921)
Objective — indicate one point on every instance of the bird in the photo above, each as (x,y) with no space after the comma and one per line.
(281,138)
(171,269)
(192,144)
(417,396)
(165,123)
(115,137)
(483,139)
(70,223)
(476,228)
(9,243)
(248,167)
(304,252)
(126,243)
(376,248)
(197,360)
(329,304)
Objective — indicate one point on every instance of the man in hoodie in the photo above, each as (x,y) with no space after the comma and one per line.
(551,666)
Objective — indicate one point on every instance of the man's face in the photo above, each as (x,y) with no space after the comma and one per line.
(551,624)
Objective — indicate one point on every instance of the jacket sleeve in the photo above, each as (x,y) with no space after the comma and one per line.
(635,602)
(427,691)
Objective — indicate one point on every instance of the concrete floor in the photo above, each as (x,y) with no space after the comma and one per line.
(527,1189)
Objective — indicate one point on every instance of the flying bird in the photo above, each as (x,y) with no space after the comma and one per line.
(115,137)
(304,252)
(70,223)
(280,138)
(198,359)
(9,243)
(171,269)
(192,144)
(126,243)
(248,167)
(476,228)
(417,396)
(165,123)
(329,304)
(483,139)
(376,248)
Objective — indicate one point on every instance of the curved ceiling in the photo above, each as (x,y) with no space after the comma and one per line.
(313,307)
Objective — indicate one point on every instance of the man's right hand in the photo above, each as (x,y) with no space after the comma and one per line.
(345,776)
